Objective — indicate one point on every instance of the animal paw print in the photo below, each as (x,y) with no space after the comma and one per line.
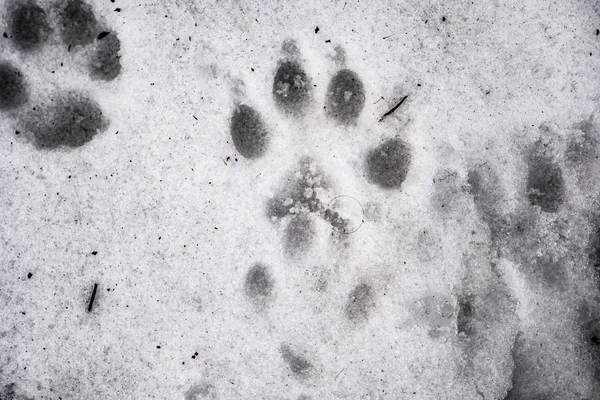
(550,240)
(12,392)
(309,190)
(308,208)
(62,44)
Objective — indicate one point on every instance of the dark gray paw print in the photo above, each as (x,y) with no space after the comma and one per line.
(67,30)
(307,197)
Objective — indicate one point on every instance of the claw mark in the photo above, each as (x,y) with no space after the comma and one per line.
(93,297)
(384,116)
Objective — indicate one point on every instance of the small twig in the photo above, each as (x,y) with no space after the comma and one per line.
(93,297)
(393,109)
(448,175)
(343,369)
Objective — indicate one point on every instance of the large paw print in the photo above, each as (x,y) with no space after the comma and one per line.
(308,191)
(308,208)
(62,44)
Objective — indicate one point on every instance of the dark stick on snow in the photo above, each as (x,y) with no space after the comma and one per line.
(393,109)
(93,297)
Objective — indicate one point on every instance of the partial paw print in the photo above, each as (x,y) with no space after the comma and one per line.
(531,262)
(322,133)
(55,54)
(548,199)
(543,228)
(12,392)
